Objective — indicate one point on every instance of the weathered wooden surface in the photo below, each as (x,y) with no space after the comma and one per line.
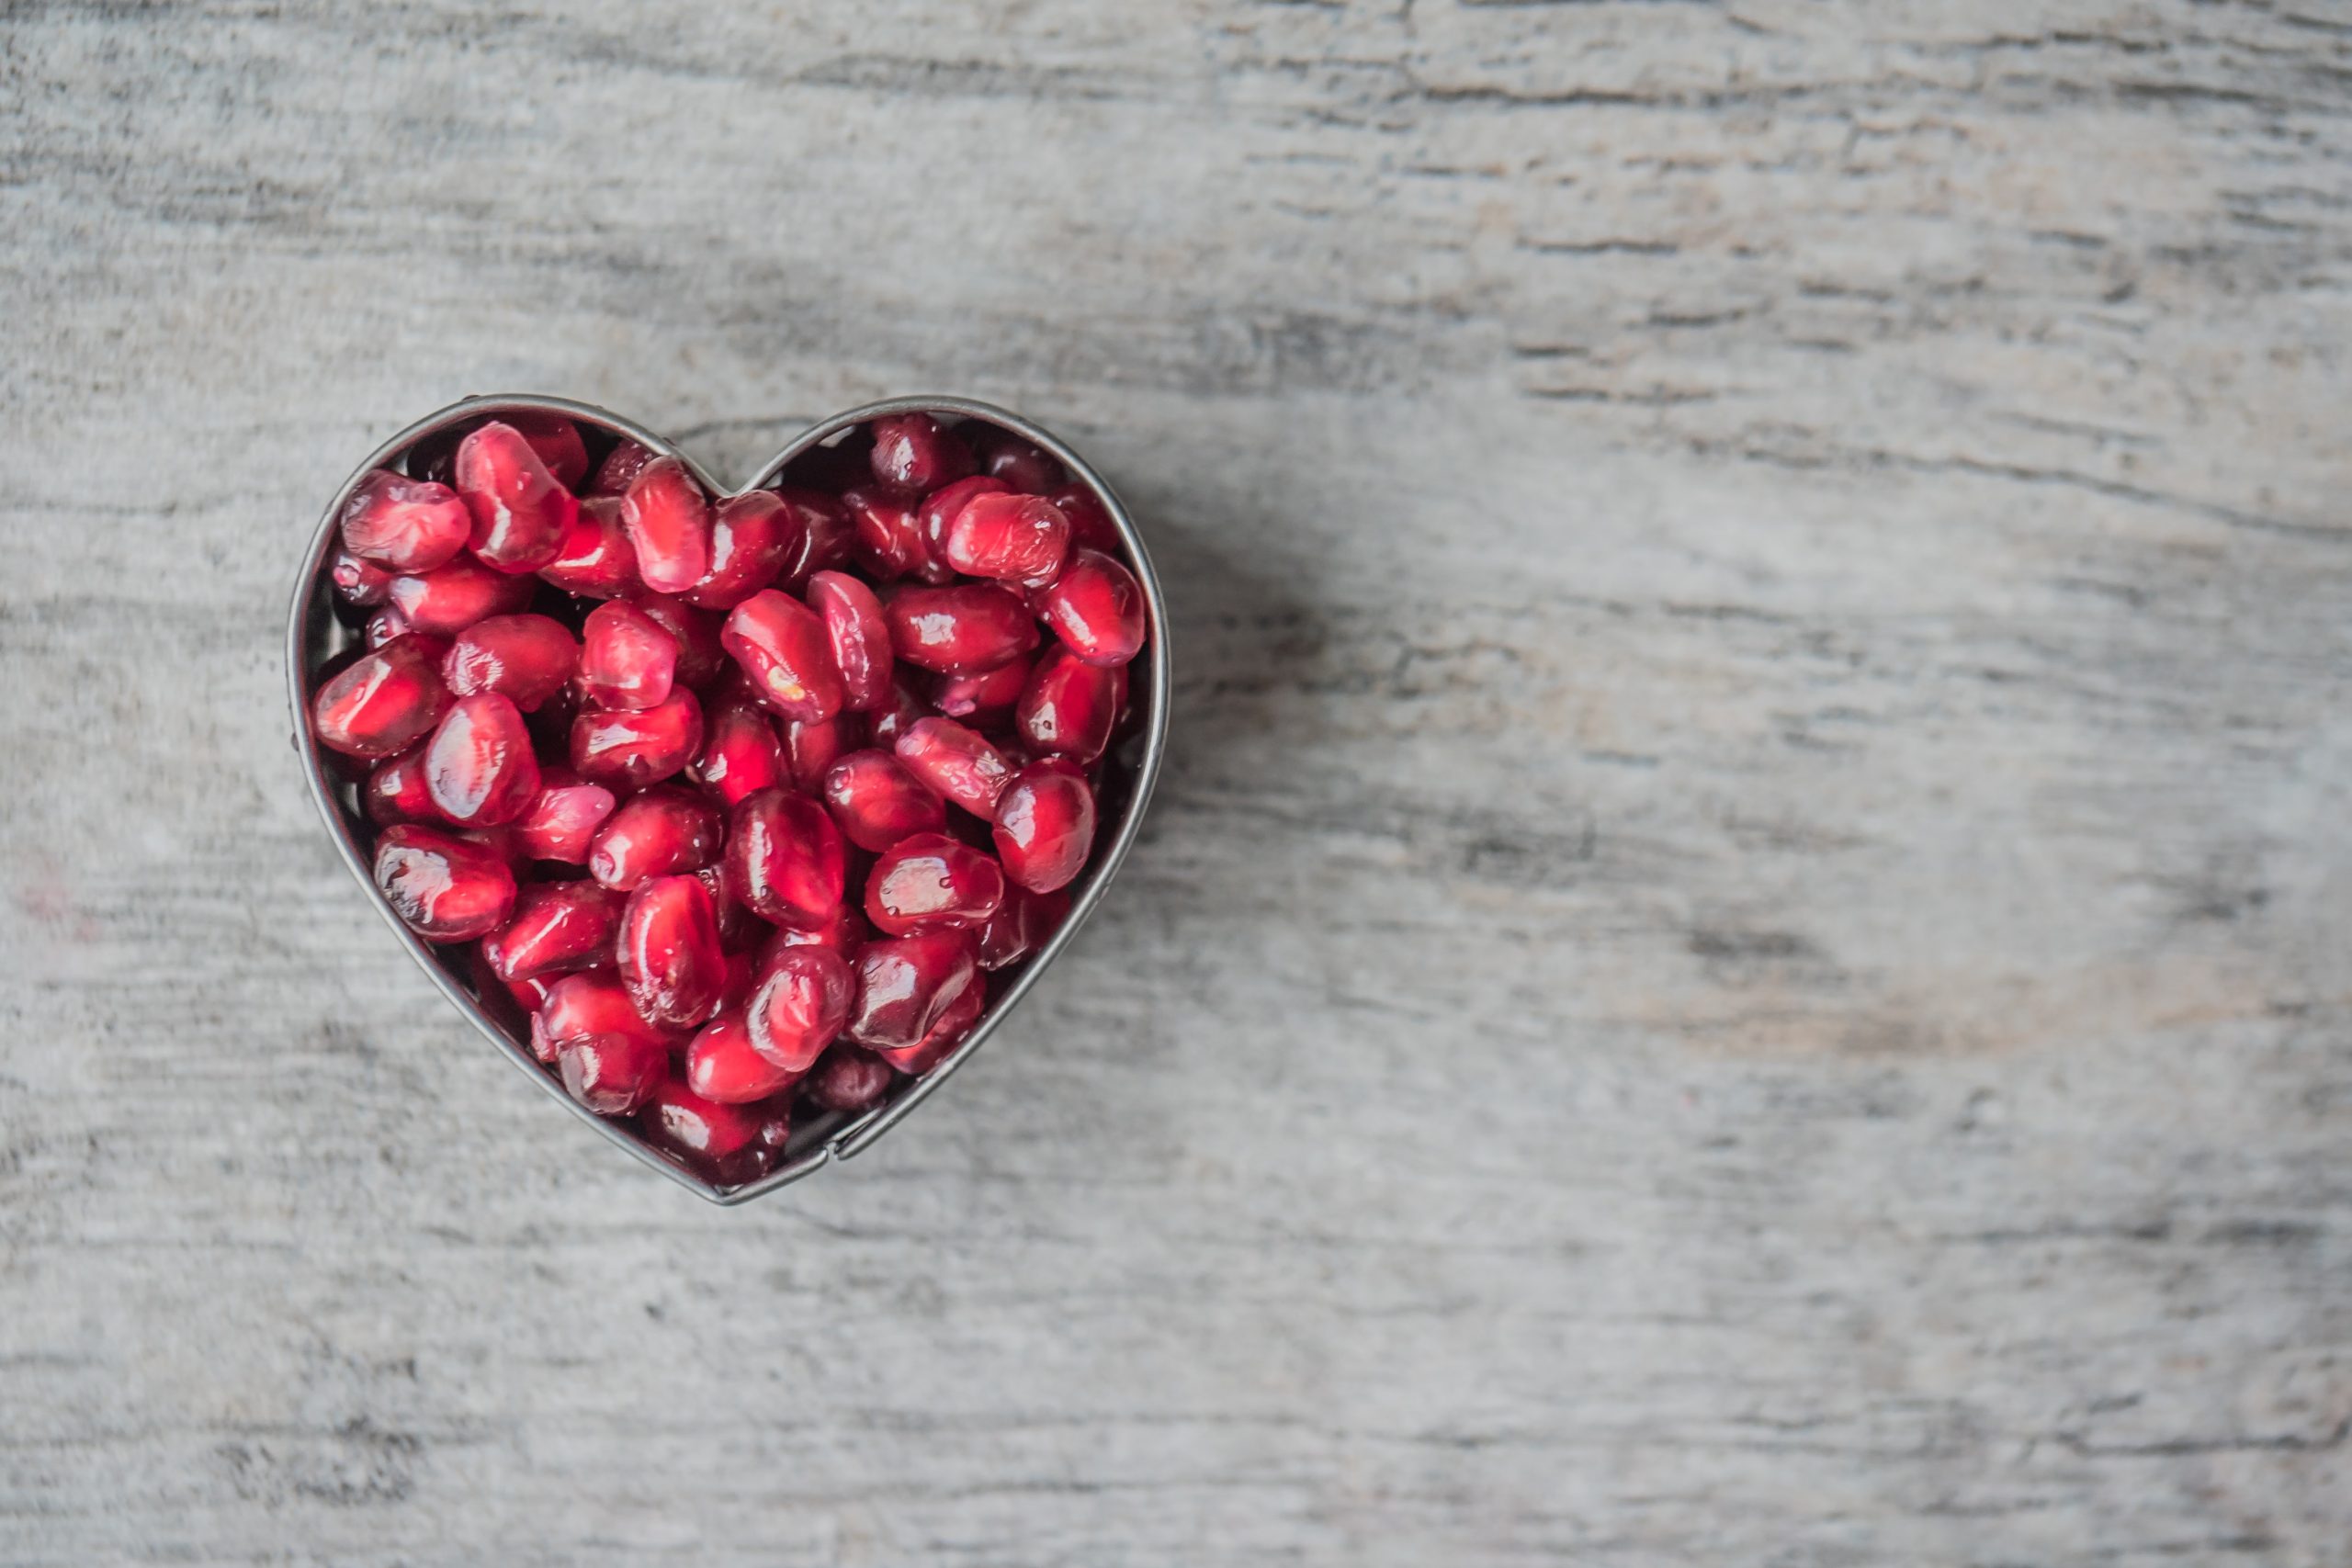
(1743,958)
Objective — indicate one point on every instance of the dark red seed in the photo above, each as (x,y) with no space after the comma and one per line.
(582,1005)
(1090,528)
(557,441)
(860,641)
(845,933)
(527,995)
(752,536)
(557,928)
(928,881)
(659,832)
(955,1021)
(878,801)
(739,928)
(784,860)
(802,1002)
(621,467)
(811,749)
(526,659)
(628,659)
(721,1065)
(742,965)
(479,766)
(612,1075)
(395,791)
(448,599)
(888,542)
(383,626)
(671,957)
(357,582)
(597,562)
(1018,463)
(739,753)
(1096,608)
(783,646)
(848,1079)
(1022,925)
(629,751)
(729,1145)
(827,536)
(561,823)
(939,509)
(985,696)
(520,513)
(1045,825)
(1070,707)
(404,525)
(954,762)
(905,706)
(906,983)
(960,630)
(700,655)
(1015,538)
(668,520)
(384,700)
(444,888)
(914,454)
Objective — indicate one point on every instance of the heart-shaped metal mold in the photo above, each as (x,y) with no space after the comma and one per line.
(315,634)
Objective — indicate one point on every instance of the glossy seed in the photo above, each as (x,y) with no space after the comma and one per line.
(914,454)
(740,754)
(596,562)
(784,859)
(784,647)
(905,985)
(562,821)
(670,958)
(752,537)
(928,882)
(1014,538)
(526,659)
(384,700)
(479,766)
(667,518)
(446,600)
(955,763)
(628,750)
(443,887)
(726,1145)
(1045,825)
(959,630)
(656,832)
(878,801)
(612,1075)
(404,525)
(1096,608)
(846,1078)
(859,638)
(1070,707)
(721,1065)
(557,928)
(520,513)
(628,659)
(801,1001)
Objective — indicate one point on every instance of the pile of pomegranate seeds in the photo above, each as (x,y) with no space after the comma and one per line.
(748,804)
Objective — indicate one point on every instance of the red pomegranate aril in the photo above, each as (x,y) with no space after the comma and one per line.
(526,659)
(359,582)
(1096,608)
(811,749)
(739,753)
(888,542)
(1018,463)
(729,1145)
(878,801)
(384,700)
(861,642)
(914,454)
(906,983)
(621,467)
(404,525)
(940,508)
(612,1075)
(1070,707)
(668,520)
(905,706)
(443,887)
(784,860)
(628,659)
(557,928)
(520,513)
(1015,538)
(848,1079)
(1045,825)
(446,600)
(597,560)
(528,993)
(827,536)
(742,965)
(955,1021)
(722,1066)
(844,932)
(955,763)
(557,441)
(582,1005)
(784,647)
(1090,528)
(987,695)
(628,750)
(658,832)
(383,626)
(1020,926)
(395,791)
(928,881)
(802,1002)
(960,630)
(700,655)
(752,537)
(562,821)
(671,959)
(479,766)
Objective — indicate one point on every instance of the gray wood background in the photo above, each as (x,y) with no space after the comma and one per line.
(1743,957)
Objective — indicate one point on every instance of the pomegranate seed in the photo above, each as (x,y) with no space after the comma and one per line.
(444,888)
(384,700)
(499,840)
(520,513)
(383,626)
(525,657)
(597,562)
(1090,528)
(528,995)
(357,582)
(811,749)
(740,753)
(752,537)
(722,1066)
(561,823)
(845,932)
(784,859)
(1018,538)
(914,454)
(848,1079)
(700,655)
(878,801)
(861,643)
(408,525)
(479,766)
(906,983)
(669,952)
(956,1021)
(1045,825)
(928,881)
(448,599)
(621,467)
(955,763)
(659,832)
(729,1145)
(1096,608)
(631,750)
(581,1005)
(802,1002)
(395,790)
(1018,463)
(1070,707)
(905,706)
(960,630)
(628,659)
(557,441)
(612,1075)
(556,927)
(987,695)
(783,646)
(888,541)
(742,965)
(827,536)
(1020,926)
(940,508)
(668,520)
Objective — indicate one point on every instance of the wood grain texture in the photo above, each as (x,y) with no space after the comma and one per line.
(1742,958)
